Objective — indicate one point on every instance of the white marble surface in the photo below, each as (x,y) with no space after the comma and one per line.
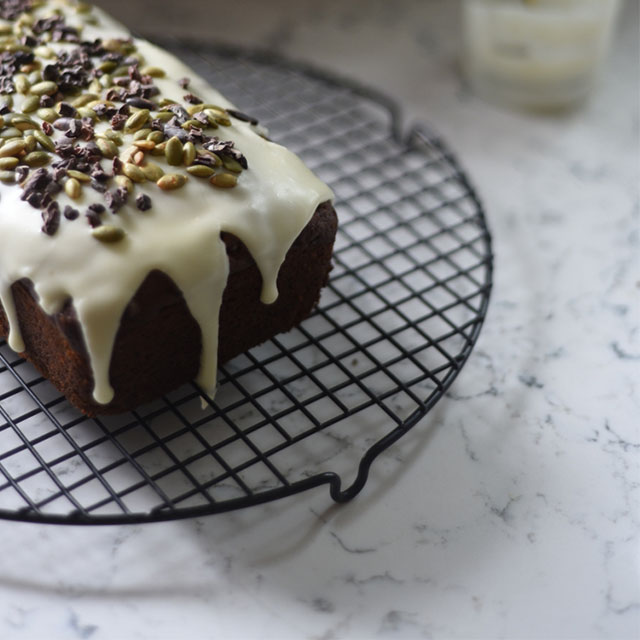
(512,510)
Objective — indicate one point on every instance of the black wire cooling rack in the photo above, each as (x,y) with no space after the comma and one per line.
(407,297)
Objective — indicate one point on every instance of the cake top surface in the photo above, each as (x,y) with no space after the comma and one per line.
(115,160)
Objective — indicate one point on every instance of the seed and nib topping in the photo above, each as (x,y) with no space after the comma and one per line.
(78,115)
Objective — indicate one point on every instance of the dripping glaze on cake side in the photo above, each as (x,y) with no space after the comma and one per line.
(117,160)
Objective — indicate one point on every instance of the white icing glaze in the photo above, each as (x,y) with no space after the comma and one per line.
(180,235)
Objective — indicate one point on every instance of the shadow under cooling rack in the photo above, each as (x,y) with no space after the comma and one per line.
(403,309)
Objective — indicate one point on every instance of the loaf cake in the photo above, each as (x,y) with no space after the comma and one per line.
(148,229)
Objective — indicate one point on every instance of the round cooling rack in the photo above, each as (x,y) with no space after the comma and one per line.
(405,303)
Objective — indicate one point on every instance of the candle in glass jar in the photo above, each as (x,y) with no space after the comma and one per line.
(536,53)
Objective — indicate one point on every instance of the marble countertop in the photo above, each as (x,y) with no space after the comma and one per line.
(512,510)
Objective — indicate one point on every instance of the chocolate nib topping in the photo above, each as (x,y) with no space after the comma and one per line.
(10,9)
(85,87)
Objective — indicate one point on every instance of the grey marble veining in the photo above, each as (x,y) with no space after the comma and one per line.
(512,510)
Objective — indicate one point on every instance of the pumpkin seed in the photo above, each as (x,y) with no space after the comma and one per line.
(156,136)
(47,114)
(106,81)
(21,83)
(73,188)
(145,145)
(10,132)
(163,116)
(189,153)
(132,171)
(224,180)
(141,134)
(172,181)
(12,148)
(36,158)
(84,100)
(137,120)
(200,171)
(114,136)
(173,151)
(123,181)
(107,66)
(191,123)
(78,175)
(152,171)
(30,104)
(44,140)
(192,109)
(31,143)
(159,149)
(154,72)
(8,176)
(108,233)
(8,163)
(35,77)
(95,86)
(232,165)
(107,147)
(44,88)
(85,112)
(44,52)
(24,123)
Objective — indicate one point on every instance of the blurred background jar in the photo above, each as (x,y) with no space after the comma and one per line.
(538,54)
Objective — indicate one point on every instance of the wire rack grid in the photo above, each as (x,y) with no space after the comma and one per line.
(406,300)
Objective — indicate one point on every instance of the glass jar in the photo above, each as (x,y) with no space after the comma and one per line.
(541,54)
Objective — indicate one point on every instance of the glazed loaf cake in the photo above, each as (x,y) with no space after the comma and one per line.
(148,229)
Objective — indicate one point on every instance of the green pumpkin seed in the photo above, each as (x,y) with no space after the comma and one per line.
(152,171)
(192,109)
(36,158)
(173,151)
(84,100)
(8,163)
(141,134)
(82,7)
(35,77)
(144,145)
(165,102)
(44,52)
(137,120)
(132,171)
(95,86)
(106,81)
(10,132)
(1,121)
(108,233)
(108,66)
(78,175)
(224,180)
(114,136)
(123,181)
(156,136)
(200,171)
(163,116)
(232,165)
(189,154)
(12,148)
(154,72)
(172,181)
(73,188)
(47,114)
(8,176)
(31,143)
(191,123)
(85,112)
(44,140)
(44,88)
(30,104)
(21,83)
(107,147)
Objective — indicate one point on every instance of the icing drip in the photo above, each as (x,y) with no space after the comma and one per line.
(180,235)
